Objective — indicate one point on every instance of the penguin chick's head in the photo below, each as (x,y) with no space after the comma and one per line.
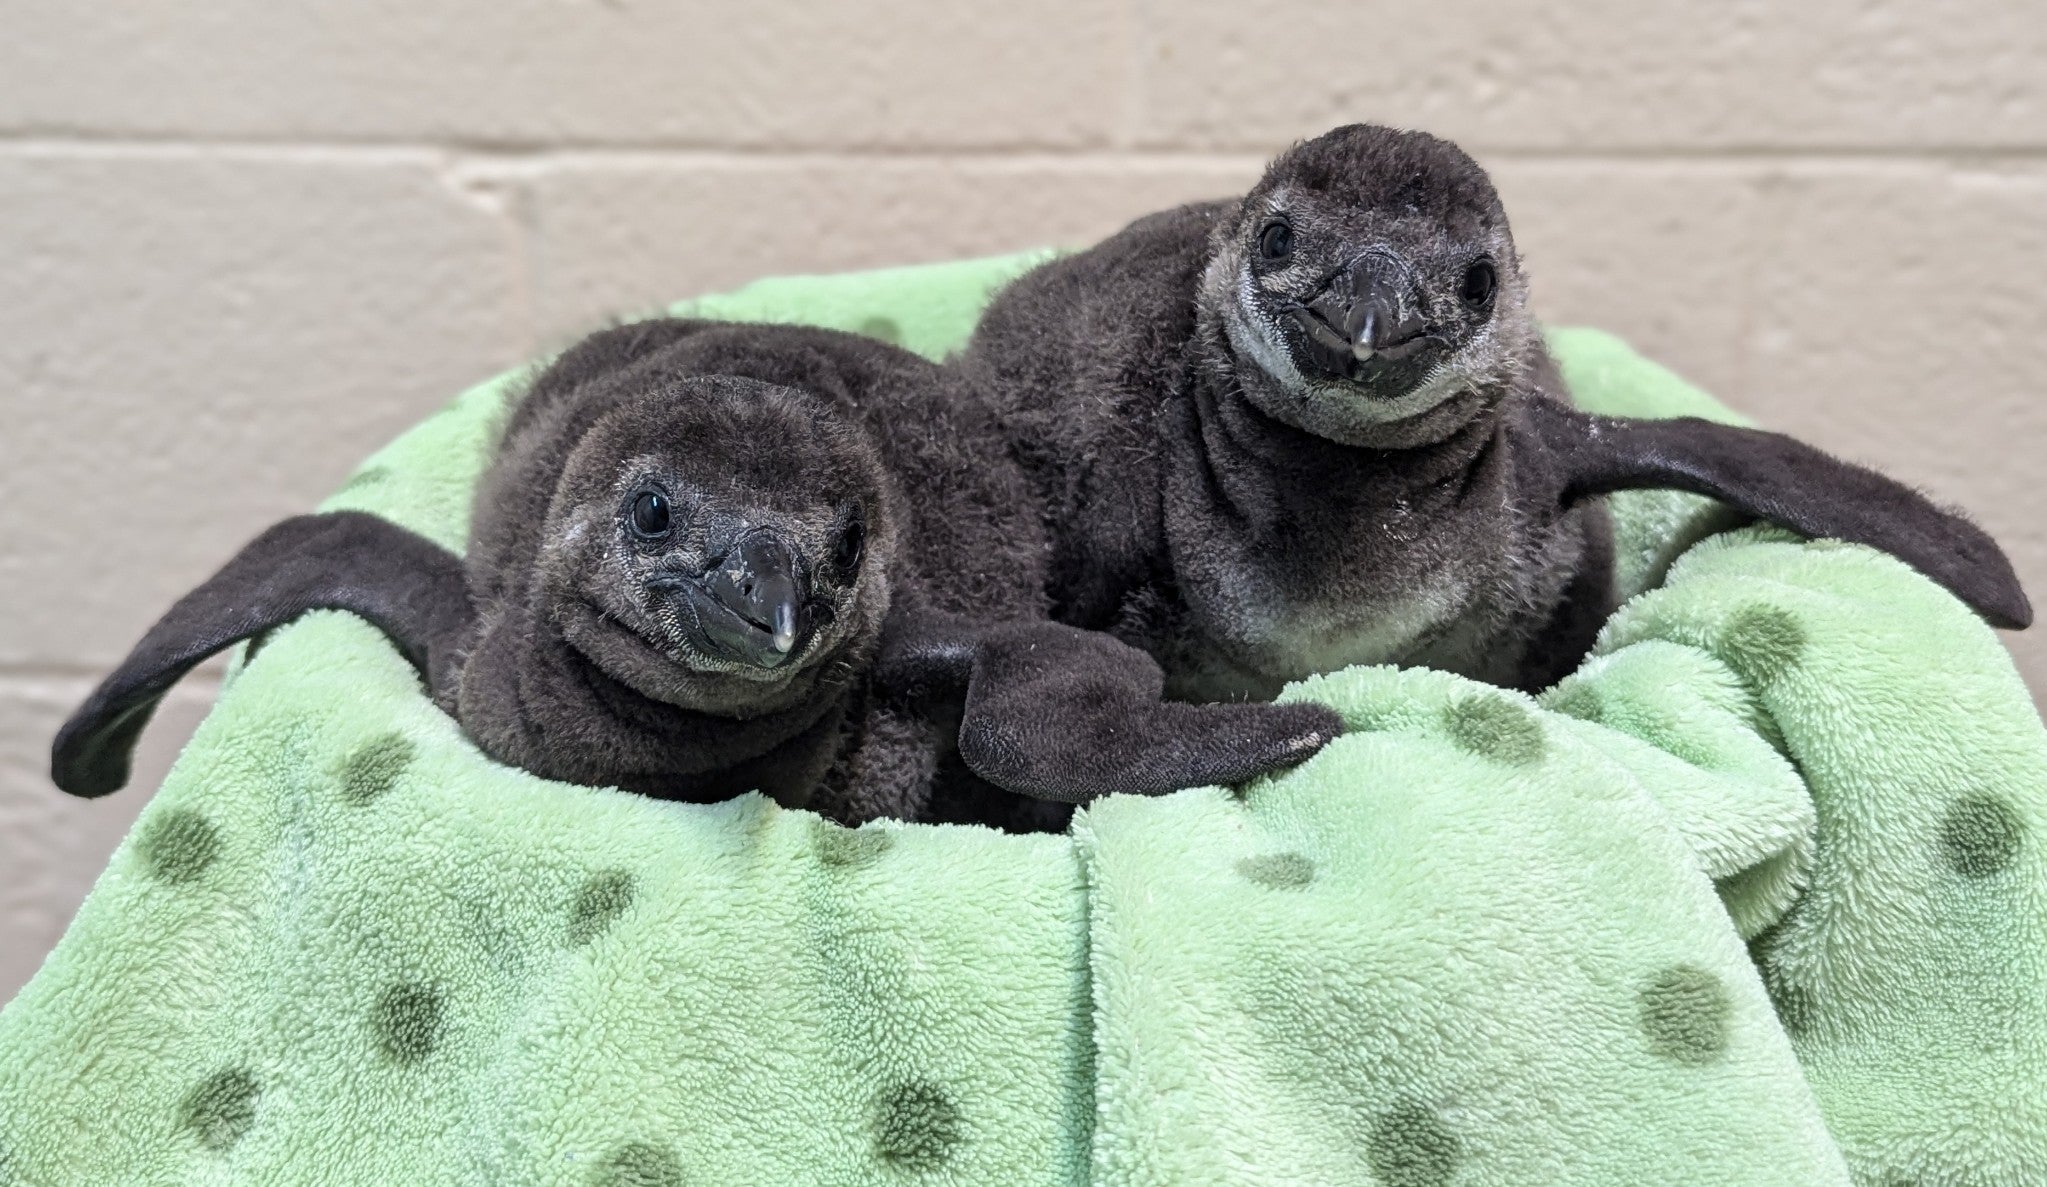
(1368,280)
(720,544)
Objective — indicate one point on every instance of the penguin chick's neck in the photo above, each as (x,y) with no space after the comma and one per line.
(1235,361)
(534,701)
(1296,554)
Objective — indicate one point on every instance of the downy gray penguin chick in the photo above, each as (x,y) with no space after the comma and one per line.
(668,588)
(1318,426)
(692,569)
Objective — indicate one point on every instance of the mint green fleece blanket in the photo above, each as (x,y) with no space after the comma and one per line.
(1759,896)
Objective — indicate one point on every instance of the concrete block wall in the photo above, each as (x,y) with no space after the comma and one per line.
(242,243)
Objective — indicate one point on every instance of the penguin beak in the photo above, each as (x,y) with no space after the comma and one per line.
(1370,310)
(750,604)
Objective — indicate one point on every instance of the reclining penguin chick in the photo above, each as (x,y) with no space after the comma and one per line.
(684,582)
(670,584)
(681,608)
(1318,426)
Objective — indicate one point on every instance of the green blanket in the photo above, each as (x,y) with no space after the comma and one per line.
(1759,896)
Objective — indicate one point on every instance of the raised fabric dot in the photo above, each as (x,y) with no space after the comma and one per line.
(836,846)
(1495,728)
(600,901)
(1280,871)
(1980,836)
(638,1164)
(178,845)
(408,1019)
(1761,643)
(918,1126)
(1684,1014)
(1410,1146)
(374,768)
(222,1108)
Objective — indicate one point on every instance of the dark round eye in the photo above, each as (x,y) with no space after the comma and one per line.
(852,542)
(1276,241)
(649,517)
(1479,282)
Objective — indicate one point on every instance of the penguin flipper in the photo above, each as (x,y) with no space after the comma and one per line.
(1059,713)
(1784,481)
(410,588)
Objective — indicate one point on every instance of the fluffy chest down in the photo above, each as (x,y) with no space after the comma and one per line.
(1279,574)
(1252,620)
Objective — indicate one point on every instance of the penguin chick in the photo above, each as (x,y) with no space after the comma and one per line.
(1317,426)
(669,582)
(676,577)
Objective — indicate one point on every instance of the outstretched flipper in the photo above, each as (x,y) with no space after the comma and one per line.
(1786,482)
(1059,713)
(409,587)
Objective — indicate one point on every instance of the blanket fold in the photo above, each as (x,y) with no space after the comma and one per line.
(1757,896)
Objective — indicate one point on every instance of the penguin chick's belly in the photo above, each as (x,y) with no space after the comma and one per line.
(1254,656)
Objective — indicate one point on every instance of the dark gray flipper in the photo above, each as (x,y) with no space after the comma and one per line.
(1059,713)
(407,586)
(1786,482)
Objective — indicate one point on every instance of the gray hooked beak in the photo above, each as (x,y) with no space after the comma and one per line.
(751,602)
(1369,310)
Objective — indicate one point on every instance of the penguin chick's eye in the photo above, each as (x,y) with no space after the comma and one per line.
(1479,282)
(649,518)
(1276,241)
(851,544)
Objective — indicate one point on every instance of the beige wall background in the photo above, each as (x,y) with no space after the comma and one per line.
(242,243)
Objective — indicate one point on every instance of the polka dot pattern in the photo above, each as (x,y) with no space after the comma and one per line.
(1497,729)
(1409,1146)
(1684,1014)
(408,1020)
(599,902)
(836,846)
(178,846)
(1761,643)
(918,1126)
(638,1164)
(1582,702)
(884,328)
(1980,836)
(222,1108)
(369,476)
(1278,871)
(372,769)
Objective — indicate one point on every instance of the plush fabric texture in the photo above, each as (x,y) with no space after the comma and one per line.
(1758,896)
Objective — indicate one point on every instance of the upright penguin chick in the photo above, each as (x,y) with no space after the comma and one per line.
(1317,426)
(708,559)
